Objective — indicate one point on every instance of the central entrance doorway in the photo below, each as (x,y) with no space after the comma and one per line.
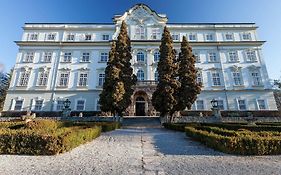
(140,106)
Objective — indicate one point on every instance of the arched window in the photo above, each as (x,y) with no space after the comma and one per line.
(156,56)
(140,57)
(140,75)
(156,76)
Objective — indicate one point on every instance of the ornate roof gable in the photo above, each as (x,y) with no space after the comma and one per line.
(141,14)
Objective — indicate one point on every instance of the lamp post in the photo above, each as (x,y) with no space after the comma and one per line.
(66,110)
(215,109)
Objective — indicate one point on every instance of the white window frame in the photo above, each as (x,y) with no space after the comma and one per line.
(29,57)
(83,81)
(258,104)
(226,36)
(203,104)
(104,56)
(70,37)
(192,37)
(156,75)
(216,78)
(233,56)
(251,55)
(76,104)
(209,37)
(43,78)
(199,77)
(36,105)
(98,105)
(64,81)
(213,57)
(67,57)
(140,75)
(239,106)
(156,56)
(237,80)
(47,57)
(176,37)
(51,36)
(248,38)
(221,104)
(21,107)
(59,107)
(155,33)
(24,78)
(197,57)
(140,56)
(256,78)
(101,79)
(85,57)
(140,33)
(105,37)
(33,36)
(88,37)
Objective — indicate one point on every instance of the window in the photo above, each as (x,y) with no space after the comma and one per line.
(29,56)
(105,37)
(233,57)
(80,105)
(242,104)
(101,79)
(18,105)
(251,56)
(220,104)
(140,75)
(156,76)
(197,57)
(156,56)
(237,78)
(85,57)
(24,78)
(229,36)
(70,37)
(88,37)
(51,36)
(33,36)
(64,79)
(192,37)
(60,105)
(213,57)
(38,105)
(256,78)
(83,79)
(261,104)
(216,79)
(246,36)
(140,33)
(67,57)
(47,57)
(103,57)
(209,37)
(199,104)
(140,57)
(98,105)
(175,37)
(43,78)
(199,78)
(155,33)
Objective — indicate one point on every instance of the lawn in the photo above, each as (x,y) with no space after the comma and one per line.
(48,137)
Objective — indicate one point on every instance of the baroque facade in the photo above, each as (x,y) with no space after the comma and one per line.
(58,61)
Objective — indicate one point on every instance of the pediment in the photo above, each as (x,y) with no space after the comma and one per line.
(140,14)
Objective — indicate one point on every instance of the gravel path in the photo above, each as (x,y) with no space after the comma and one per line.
(140,151)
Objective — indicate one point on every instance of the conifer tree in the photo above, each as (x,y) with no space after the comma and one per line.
(119,78)
(187,74)
(164,97)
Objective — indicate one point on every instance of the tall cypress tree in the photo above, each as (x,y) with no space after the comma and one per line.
(187,73)
(123,53)
(164,97)
(119,78)
(113,90)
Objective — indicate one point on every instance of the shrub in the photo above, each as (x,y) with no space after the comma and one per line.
(237,142)
(175,126)
(106,126)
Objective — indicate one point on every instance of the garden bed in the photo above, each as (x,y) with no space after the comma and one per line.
(48,137)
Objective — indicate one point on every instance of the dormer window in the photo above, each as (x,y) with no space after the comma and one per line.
(105,37)
(33,36)
(51,36)
(246,36)
(192,37)
(88,37)
(229,36)
(209,37)
(175,37)
(140,32)
(155,34)
(70,37)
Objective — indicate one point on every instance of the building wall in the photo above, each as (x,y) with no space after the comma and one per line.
(138,17)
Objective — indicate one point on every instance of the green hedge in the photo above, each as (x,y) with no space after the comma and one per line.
(237,142)
(175,126)
(48,137)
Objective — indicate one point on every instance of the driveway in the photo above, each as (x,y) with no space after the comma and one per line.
(140,150)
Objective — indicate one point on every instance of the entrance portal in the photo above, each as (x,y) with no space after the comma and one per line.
(140,106)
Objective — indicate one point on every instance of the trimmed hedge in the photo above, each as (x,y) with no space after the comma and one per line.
(176,126)
(48,137)
(237,142)
(260,113)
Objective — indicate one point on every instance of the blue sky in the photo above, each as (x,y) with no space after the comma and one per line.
(265,13)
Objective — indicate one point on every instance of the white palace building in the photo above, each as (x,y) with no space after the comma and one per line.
(59,61)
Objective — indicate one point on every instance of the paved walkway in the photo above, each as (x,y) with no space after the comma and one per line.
(140,150)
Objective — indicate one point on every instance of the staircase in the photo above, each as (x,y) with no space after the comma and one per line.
(148,122)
